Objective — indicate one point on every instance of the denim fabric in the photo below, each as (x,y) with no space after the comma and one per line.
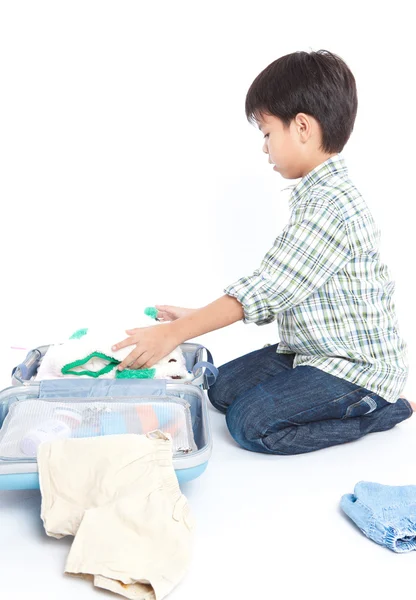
(385,513)
(274,408)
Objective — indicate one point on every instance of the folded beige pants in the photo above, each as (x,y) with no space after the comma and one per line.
(120,498)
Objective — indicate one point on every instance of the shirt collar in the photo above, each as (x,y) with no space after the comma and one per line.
(332,166)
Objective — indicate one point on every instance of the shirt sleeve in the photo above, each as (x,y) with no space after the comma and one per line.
(312,248)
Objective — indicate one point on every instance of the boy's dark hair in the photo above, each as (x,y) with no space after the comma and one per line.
(319,84)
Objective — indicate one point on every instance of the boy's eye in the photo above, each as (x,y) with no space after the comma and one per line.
(267,135)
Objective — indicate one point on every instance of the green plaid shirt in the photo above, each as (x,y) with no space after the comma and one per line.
(324,282)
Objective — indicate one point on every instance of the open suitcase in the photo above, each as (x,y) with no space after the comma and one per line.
(103,407)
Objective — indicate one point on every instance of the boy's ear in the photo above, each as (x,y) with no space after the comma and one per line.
(305,124)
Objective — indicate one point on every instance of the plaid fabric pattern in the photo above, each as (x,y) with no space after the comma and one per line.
(324,283)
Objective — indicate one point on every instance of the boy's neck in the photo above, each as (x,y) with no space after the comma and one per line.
(315,161)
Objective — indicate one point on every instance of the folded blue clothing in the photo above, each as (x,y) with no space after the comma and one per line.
(385,513)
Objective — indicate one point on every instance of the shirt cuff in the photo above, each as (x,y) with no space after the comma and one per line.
(248,291)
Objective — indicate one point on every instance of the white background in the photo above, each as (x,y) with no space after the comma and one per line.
(129,177)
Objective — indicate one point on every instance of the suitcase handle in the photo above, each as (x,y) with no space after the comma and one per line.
(28,367)
(211,372)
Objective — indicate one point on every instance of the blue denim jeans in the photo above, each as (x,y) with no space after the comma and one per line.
(385,513)
(274,408)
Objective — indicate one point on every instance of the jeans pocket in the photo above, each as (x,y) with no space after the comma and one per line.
(365,406)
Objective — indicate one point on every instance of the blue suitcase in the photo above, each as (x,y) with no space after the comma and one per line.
(106,406)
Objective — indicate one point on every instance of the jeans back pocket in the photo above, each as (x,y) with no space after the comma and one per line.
(365,406)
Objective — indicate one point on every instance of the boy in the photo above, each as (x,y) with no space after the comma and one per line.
(340,367)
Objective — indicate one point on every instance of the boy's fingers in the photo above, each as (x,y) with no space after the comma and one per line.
(140,357)
(123,344)
(140,362)
(164,315)
(124,364)
(162,311)
(129,360)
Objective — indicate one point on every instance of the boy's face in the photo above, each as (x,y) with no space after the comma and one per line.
(283,146)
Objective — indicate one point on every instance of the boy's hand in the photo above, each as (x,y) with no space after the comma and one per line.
(171,313)
(152,344)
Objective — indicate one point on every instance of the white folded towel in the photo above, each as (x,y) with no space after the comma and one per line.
(70,359)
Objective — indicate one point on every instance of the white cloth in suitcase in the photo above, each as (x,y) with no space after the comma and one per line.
(120,498)
(95,341)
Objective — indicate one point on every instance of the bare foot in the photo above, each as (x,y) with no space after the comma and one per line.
(412,404)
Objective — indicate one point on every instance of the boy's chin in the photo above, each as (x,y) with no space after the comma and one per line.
(283,174)
(288,174)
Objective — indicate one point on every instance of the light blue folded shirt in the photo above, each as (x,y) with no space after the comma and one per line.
(385,513)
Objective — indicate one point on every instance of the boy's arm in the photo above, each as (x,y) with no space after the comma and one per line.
(220,313)
(312,248)
(154,343)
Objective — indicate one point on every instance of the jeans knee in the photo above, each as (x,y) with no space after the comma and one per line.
(253,428)
(237,429)
(215,395)
(222,393)
(244,426)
